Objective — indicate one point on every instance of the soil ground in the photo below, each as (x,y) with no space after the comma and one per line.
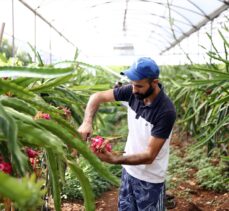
(188,195)
(197,200)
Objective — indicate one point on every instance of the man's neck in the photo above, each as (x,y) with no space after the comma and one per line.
(151,98)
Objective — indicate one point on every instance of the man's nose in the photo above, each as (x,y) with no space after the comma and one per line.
(135,90)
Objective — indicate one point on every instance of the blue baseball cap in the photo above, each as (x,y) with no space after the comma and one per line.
(143,68)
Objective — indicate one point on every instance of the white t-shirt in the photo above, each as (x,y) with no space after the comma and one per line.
(156,120)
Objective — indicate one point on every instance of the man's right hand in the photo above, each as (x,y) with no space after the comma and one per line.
(85,130)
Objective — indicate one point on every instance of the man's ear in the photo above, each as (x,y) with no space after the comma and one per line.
(156,81)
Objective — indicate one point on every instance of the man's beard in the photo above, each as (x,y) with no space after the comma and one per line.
(147,94)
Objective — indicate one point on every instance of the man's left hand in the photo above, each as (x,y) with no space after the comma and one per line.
(106,156)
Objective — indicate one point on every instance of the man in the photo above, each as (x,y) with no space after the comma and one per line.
(151,116)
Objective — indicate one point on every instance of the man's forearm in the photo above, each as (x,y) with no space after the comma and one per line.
(137,159)
(92,107)
(95,100)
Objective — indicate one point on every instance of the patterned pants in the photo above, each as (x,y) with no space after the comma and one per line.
(138,195)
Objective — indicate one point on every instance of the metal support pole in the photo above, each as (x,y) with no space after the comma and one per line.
(50,46)
(35,36)
(1,33)
(198,47)
(211,34)
(210,17)
(47,22)
(13,45)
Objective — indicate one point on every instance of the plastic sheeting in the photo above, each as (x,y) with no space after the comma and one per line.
(123,27)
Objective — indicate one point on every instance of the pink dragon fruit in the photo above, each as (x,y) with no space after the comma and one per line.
(31,153)
(97,143)
(6,167)
(46,116)
(41,115)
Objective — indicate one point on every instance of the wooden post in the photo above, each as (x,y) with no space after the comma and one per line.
(1,32)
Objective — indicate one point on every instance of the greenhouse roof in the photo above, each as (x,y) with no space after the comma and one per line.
(127,27)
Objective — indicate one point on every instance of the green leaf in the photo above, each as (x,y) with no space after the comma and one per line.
(41,105)
(10,130)
(25,81)
(89,201)
(220,101)
(52,83)
(25,192)
(99,87)
(7,85)
(42,72)
(193,114)
(40,137)
(54,177)
(220,73)
(212,133)
(204,82)
(40,62)
(35,134)
(223,38)
(18,105)
(225,158)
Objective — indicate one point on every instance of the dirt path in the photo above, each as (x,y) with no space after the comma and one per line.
(107,202)
(196,200)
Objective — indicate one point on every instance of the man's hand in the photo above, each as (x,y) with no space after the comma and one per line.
(106,156)
(85,130)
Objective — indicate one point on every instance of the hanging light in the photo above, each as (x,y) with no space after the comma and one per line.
(124,48)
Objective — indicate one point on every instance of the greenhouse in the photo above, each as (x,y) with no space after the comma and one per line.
(114,105)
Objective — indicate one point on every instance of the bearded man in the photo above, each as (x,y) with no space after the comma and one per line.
(151,117)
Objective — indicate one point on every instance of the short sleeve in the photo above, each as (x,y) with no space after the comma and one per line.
(123,93)
(164,125)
